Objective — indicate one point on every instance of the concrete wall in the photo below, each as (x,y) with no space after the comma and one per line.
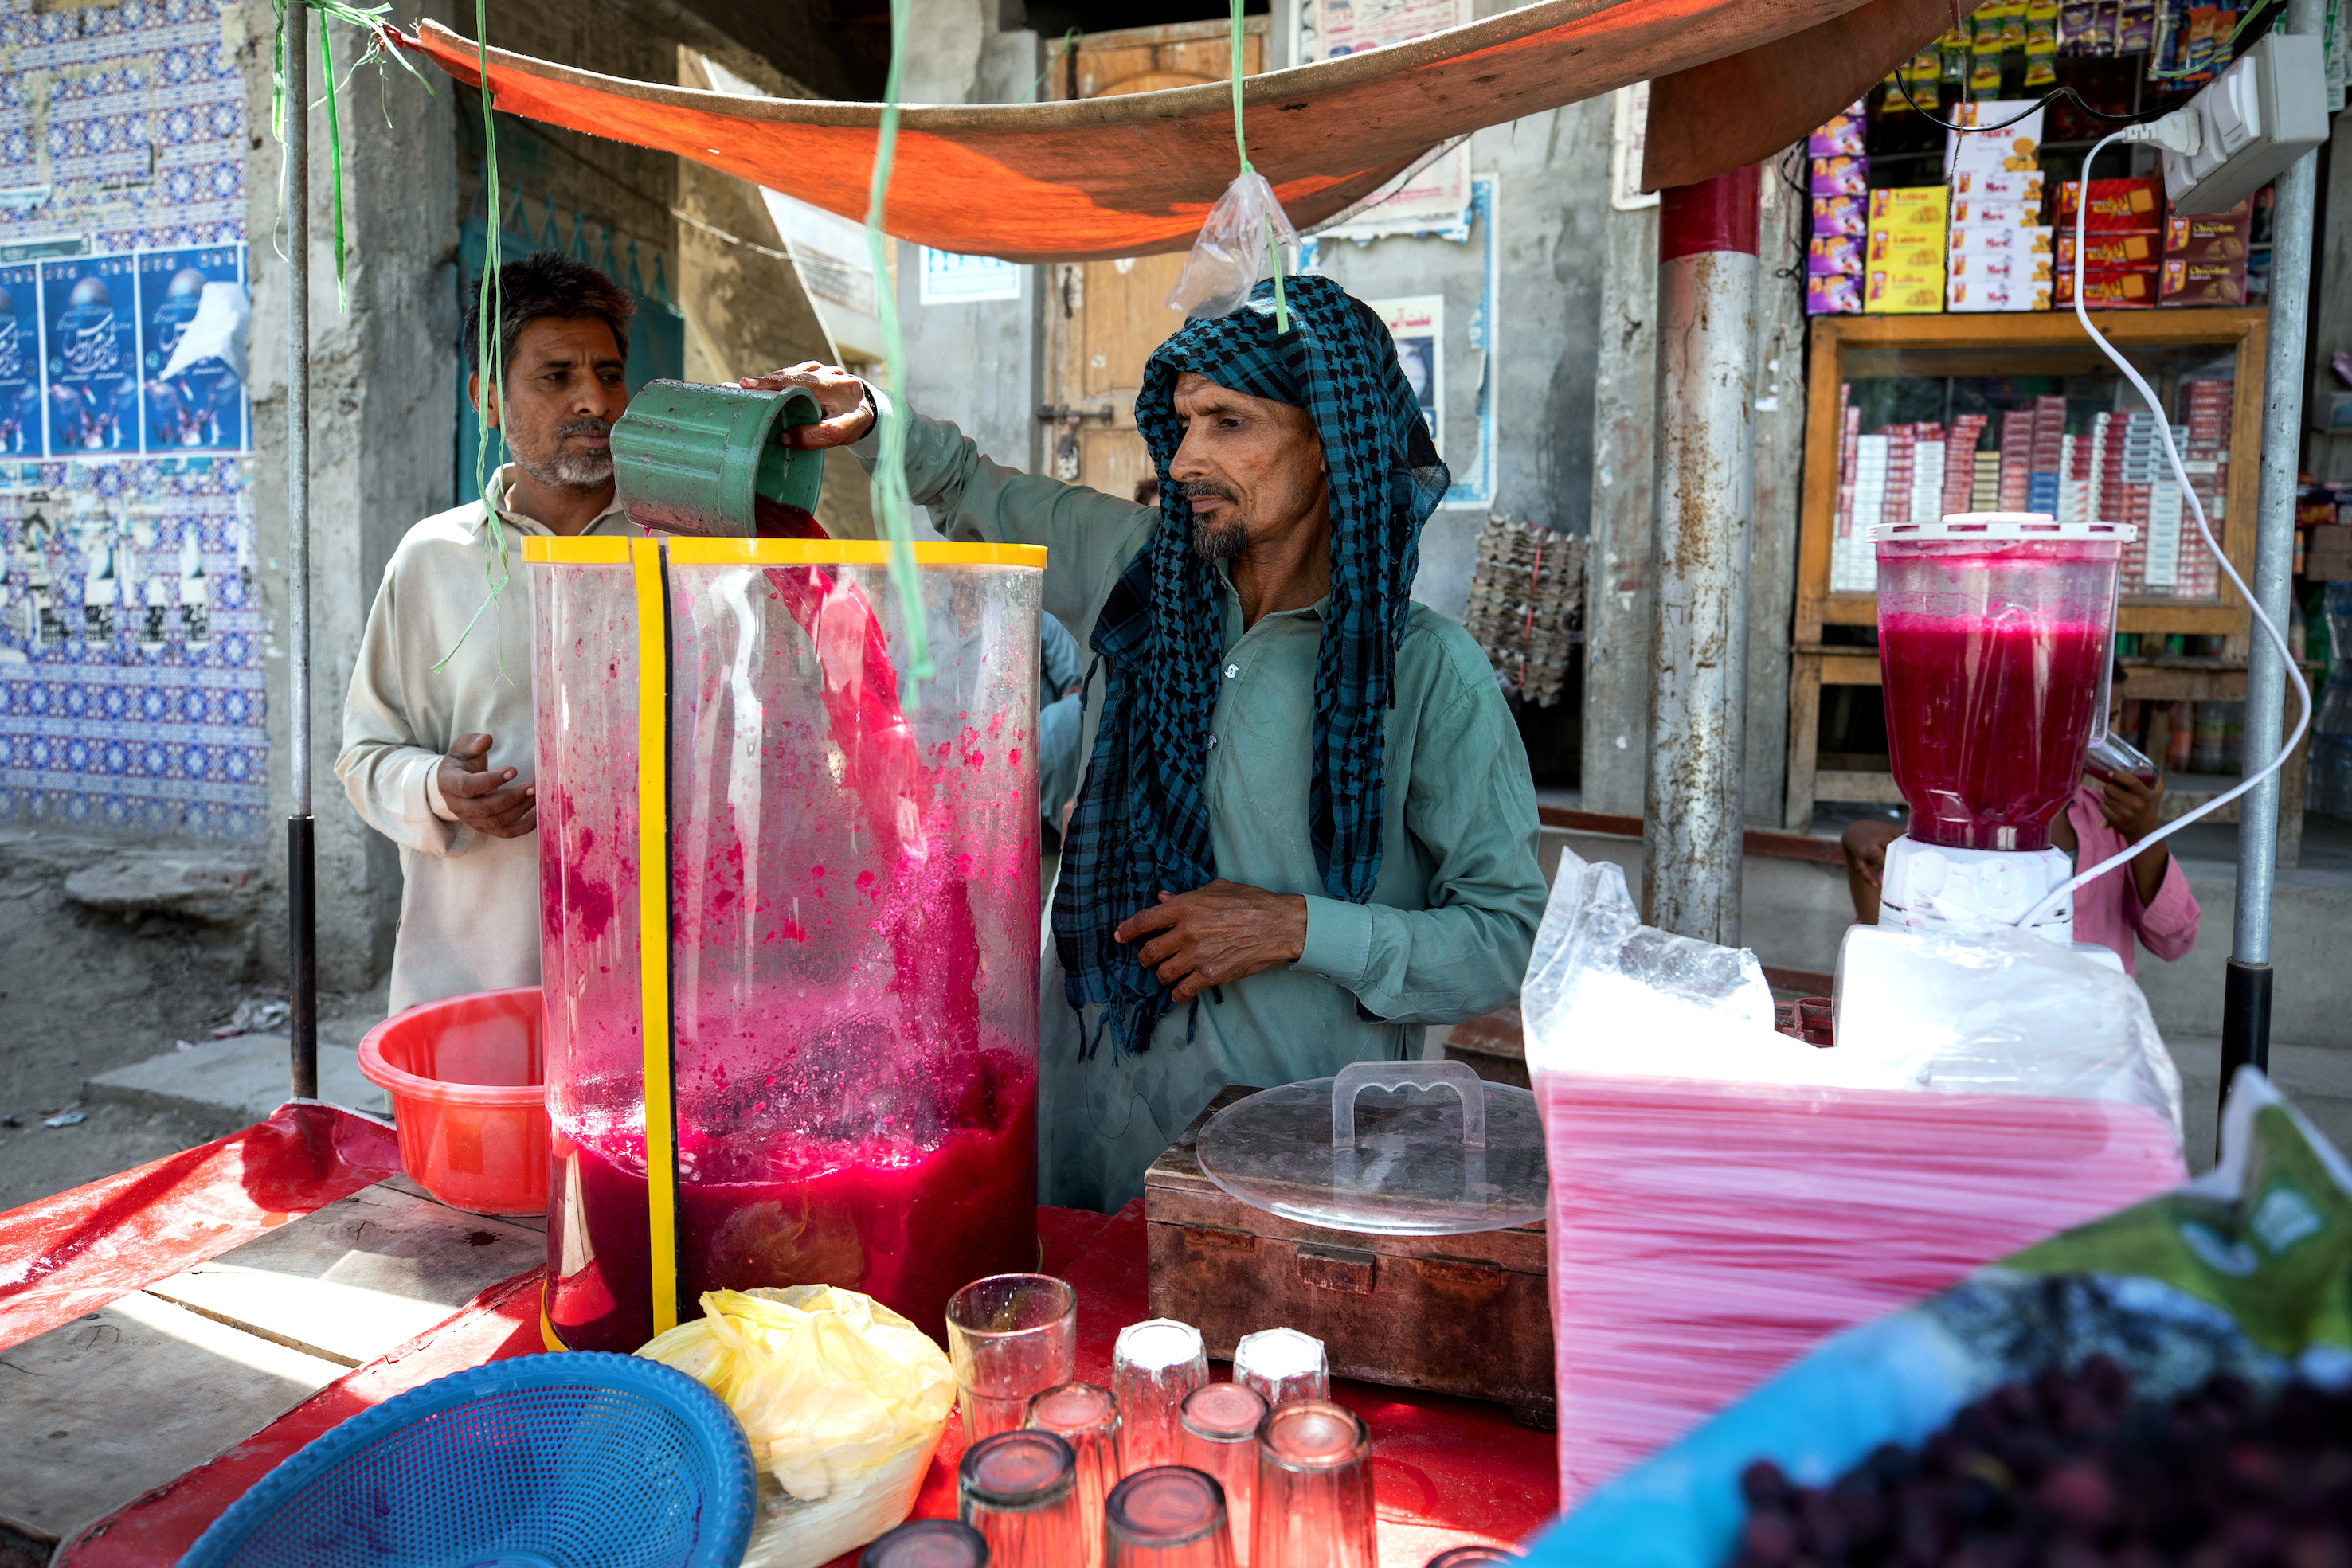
(1550,203)
(382,430)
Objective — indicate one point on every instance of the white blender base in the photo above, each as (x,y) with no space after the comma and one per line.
(1928,888)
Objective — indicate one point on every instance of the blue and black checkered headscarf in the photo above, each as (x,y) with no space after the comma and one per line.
(1140,823)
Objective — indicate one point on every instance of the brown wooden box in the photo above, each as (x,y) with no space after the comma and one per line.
(1454,1314)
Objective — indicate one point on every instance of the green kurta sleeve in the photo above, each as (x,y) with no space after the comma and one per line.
(1470,807)
(1089,537)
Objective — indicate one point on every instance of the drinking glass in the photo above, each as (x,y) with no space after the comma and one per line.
(1167,1516)
(1282,1365)
(1019,1490)
(1474,1557)
(1088,1418)
(1009,1336)
(1314,1502)
(927,1543)
(1220,1423)
(1158,1362)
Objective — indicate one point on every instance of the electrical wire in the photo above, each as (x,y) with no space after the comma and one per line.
(2197,510)
(2028,112)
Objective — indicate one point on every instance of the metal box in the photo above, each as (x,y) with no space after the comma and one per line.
(1468,1315)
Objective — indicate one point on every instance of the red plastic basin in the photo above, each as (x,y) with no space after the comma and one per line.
(466,1080)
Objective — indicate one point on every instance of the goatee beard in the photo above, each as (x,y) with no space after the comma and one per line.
(566,470)
(1219,542)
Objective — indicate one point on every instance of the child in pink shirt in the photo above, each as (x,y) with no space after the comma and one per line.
(2148,895)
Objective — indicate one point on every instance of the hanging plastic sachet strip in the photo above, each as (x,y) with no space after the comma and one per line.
(1242,237)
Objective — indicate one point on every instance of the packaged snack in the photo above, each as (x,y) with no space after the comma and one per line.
(1834,255)
(1886,295)
(1841,176)
(2115,205)
(2012,143)
(1977,212)
(2209,237)
(2204,282)
(1918,208)
(1841,138)
(1840,215)
(2000,185)
(2136,27)
(2109,250)
(1906,250)
(2020,240)
(1832,295)
(2109,289)
(1983,294)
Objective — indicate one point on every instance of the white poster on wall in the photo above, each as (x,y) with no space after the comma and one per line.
(1436,196)
(1418,325)
(951,279)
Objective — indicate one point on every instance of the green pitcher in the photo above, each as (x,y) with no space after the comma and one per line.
(695,459)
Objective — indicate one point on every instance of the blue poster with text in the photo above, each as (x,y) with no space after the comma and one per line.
(192,318)
(20,361)
(89,309)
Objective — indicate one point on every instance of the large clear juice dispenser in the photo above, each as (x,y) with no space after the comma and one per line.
(1996,637)
(790,923)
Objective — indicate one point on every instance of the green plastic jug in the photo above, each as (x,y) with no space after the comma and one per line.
(695,459)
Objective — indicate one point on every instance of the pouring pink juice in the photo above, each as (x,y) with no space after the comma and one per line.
(852,944)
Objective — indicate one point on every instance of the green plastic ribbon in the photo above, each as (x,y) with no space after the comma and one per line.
(888,490)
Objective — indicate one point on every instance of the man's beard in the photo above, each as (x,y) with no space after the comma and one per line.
(1216,541)
(567,468)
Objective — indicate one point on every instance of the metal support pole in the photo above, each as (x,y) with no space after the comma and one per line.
(1694,807)
(2246,1000)
(301,863)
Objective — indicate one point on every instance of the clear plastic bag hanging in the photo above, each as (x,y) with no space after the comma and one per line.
(1237,246)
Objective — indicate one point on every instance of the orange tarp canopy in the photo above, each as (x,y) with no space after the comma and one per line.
(1135,174)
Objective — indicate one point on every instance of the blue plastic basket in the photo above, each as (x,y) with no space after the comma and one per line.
(568,1460)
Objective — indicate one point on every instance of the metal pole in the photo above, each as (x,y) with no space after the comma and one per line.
(2246,998)
(301,863)
(1693,806)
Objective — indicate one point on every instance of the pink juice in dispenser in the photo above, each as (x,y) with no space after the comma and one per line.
(853,912)
(1995,637)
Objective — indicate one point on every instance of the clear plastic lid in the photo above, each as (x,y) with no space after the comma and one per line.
(1409,1163)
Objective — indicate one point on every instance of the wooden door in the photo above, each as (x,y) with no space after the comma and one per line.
(1103,319)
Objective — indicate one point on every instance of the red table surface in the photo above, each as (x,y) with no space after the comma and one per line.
(1446,1472)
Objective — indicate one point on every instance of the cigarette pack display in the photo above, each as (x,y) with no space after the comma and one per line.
(1841,176)
(1834,294)
(2110,291)
(2110,251)
(2001,186)
(2210,236)
(1847,214)
(1841,137)
(2115,205)
(1834,255)
(2204,282)
(1994,212)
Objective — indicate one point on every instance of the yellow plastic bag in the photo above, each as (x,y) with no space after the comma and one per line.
(843,1400)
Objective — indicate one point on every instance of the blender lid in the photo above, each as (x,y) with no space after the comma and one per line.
(1967,526)
(1469,1158)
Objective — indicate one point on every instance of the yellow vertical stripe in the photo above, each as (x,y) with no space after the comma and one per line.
(653,924)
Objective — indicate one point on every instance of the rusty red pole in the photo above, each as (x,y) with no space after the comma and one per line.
(1705,496)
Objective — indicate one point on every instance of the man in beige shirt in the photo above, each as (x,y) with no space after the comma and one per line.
(439,760)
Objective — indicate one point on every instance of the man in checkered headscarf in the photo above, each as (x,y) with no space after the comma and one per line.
(1307,828)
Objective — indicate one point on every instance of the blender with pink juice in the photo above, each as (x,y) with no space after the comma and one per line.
(1996,637)
(790,924)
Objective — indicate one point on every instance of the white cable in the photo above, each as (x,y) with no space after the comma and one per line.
(2171,131)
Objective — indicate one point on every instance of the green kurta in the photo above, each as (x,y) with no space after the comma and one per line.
(1446,934)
